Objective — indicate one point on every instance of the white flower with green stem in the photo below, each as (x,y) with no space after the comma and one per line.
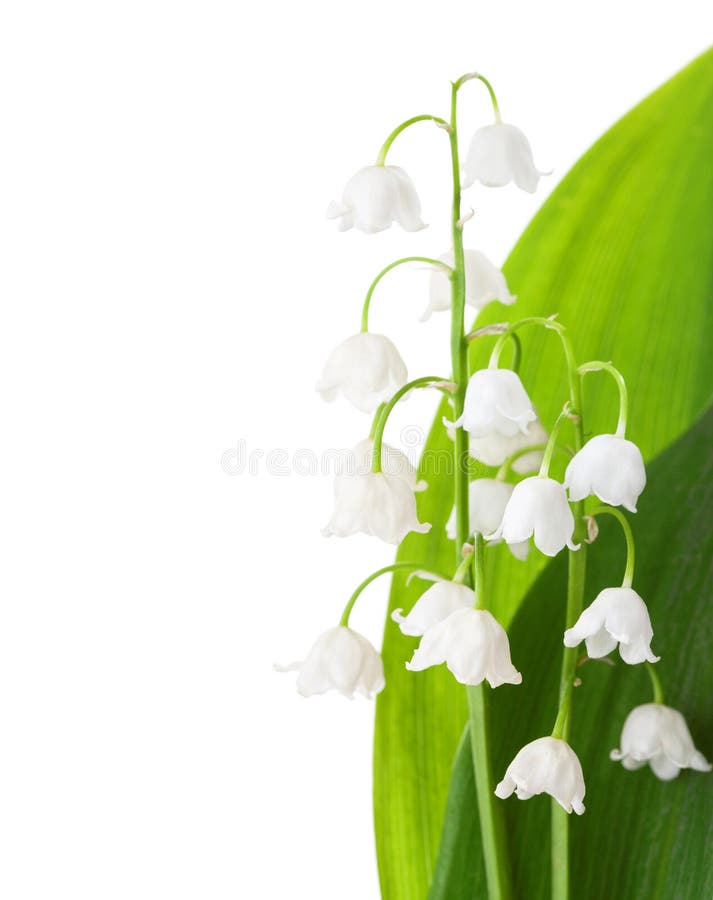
(658,735)
(495,421)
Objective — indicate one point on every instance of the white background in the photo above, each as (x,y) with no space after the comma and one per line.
(170,287)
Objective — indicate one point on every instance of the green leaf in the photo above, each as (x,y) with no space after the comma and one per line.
(623,251)
(649,838)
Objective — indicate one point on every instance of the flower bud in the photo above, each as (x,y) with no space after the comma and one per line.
(474,646)
(488,498)
(496,401)
(658,735)
(366,368)
(376,197)
(340,659)
(609,467)
(433,606)
(499,154)
(376,503)
(617,615)
(538,506)
(546,766)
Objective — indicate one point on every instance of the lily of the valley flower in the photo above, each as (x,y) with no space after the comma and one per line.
(340,659)
(546,766)
(494,448)
(610,467)
(658,735)
(472,644)
(538,506)
(367,368)
(496,401)
(376,503)
(376,197)
(484,283)
(488,498)
(499,154)
(617,615)
(433,606)
(393,462)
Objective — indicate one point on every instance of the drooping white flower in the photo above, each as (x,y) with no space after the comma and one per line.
(496,401)
(538,506)
(340,659)
(487,498)
(433,606)
(617,615)
(472,644)
(393,462)
(376,503)
(376,197)
(658,735)
(546,766)
(499,154)
(494,448)
(484,283)
(366,368)
(610,467)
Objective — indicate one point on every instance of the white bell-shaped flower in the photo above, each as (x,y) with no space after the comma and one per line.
(487,498)
(658,735)
(617,616)
(610,467)
(546,766)
(393,462)
(433,606)
(472,644)
(376,503)
(376,197)
(340,659)
(496,401)
(484,282)
(494,448)
(538,507)
(499,154)
(366,368)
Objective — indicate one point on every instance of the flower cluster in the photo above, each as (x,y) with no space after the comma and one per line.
(520,503)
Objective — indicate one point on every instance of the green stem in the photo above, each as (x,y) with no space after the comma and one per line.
(479,570)
(381,158)
(599,366)
(560,851)
(628,534)
(394,567)
(493,99)
(463,570)
(375,421)
(655,683)
(490,811)
(577,566)
(552,440)
(575,387)
(500,329)
(575,595)
(516,352)
(378,428)
(459,347)
(560,819)
(393,265)
(492,828)
(505,468)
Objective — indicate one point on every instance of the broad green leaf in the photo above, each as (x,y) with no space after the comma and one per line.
(639,838)
(623,251)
